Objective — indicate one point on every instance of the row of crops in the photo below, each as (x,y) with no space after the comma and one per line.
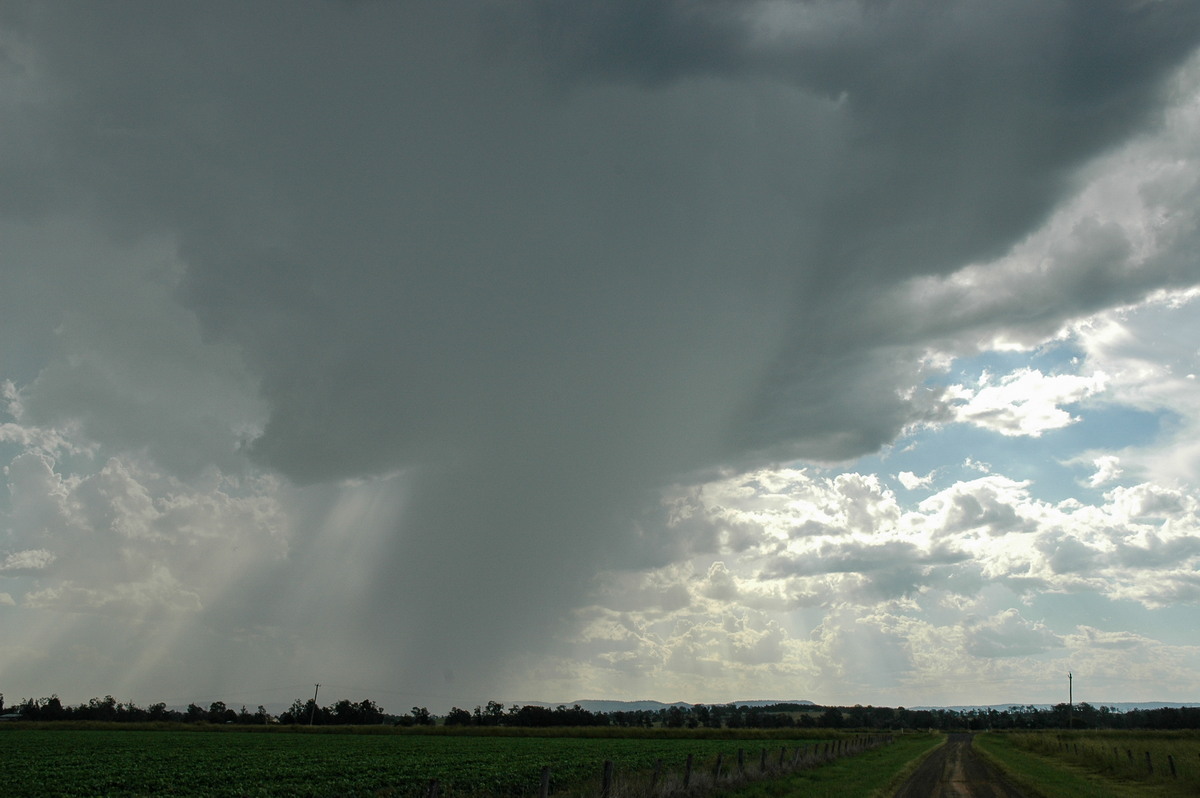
(51,762)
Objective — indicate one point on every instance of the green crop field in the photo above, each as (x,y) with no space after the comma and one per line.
(105,762)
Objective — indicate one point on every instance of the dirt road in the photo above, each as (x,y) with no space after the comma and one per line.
(956,771)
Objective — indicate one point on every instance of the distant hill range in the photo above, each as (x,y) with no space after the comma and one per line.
(653,706)
(1119,706)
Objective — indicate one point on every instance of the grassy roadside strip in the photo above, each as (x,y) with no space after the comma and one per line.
(868,775)
(1046,776)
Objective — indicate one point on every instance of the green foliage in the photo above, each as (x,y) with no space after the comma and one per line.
(458,717)
(832,718)
(248,760)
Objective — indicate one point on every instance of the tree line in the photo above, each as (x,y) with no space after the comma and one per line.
(110,710)
(680,716)
(782,716)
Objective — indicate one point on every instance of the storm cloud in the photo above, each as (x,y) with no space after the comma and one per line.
(475,282)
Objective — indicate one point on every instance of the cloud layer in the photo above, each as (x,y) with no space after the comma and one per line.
(392,321)
(825,581)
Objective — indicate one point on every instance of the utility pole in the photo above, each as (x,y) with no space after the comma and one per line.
(313,711)
(1070,700)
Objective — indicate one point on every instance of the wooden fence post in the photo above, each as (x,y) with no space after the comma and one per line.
(606,780)
(1149,765)
(782,753)
(1171,762)
(433,790)
(544,789)
(657,773)
(741,760)
(687,773)
(717,769)
(762,761)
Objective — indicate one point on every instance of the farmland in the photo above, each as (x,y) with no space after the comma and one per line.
(1100,763)
(89,762)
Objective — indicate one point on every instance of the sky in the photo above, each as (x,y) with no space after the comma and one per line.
(689,350)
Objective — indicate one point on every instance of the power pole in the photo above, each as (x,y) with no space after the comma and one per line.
(313,711)
(1070,700)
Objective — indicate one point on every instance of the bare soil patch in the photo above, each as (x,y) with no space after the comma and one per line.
(956,770)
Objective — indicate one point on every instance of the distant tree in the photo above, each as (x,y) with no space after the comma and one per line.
(831,718)
(574,716)
(458,717)
(1086,716)
(102,709)
(28,709)
(53,708)
(129,712)
(194,714)
(216,712)
(294,714)
(315,715)
(530,715)
(421,716)
(345,712)
(369,712)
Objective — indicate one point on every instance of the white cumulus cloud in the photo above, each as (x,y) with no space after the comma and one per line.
(1026,402)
